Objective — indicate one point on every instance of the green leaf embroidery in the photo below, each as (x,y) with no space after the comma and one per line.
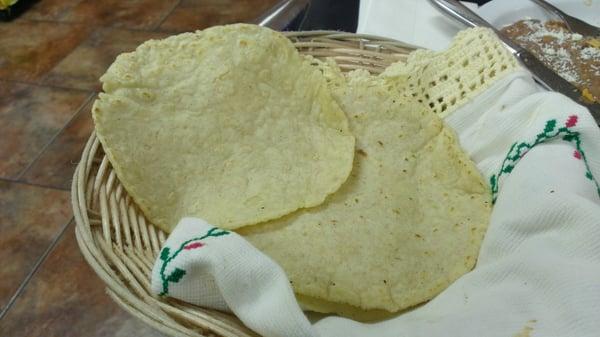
(519,152)
(176,275)
(214,232)
(550,125)
(164,254)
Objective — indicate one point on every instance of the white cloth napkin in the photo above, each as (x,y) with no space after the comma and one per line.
(539,267)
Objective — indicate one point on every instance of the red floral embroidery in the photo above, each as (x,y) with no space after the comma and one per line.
(572,121)
(577,154)
(193,245)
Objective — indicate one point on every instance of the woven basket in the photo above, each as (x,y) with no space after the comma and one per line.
(121,245)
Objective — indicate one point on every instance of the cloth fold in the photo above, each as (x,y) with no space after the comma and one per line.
(218,269)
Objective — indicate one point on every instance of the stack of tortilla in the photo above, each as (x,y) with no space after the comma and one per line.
(357,190)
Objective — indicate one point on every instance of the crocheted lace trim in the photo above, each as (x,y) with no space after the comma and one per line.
(446,80)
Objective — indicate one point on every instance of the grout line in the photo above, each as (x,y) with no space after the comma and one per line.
(42,77)
(43,85)
(114,25)
(53,21)
(22,182)
(55,18)
(54,137)
(164,18)
(35,268)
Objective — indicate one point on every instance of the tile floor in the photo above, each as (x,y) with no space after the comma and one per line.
(50,61)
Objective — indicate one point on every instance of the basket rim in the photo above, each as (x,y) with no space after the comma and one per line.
(337,34)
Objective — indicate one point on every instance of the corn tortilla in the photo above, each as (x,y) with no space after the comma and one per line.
(229,124)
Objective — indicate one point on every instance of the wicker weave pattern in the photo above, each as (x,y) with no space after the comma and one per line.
(121,246)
